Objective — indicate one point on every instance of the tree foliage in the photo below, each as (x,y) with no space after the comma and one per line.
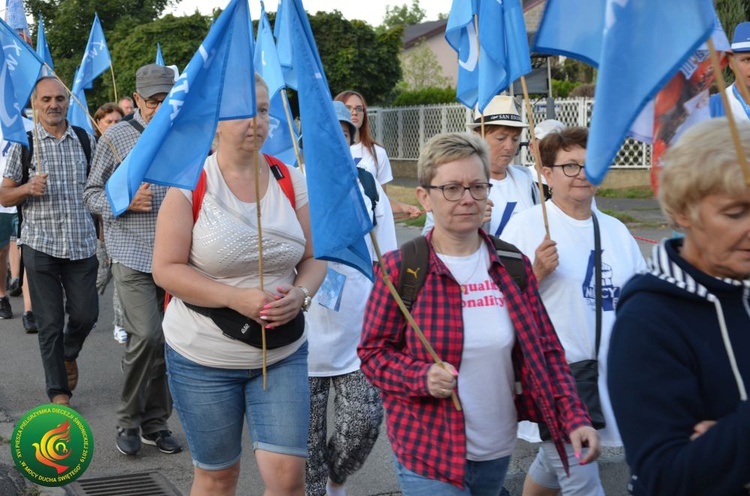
(403,15)
(425,96)
(421,68)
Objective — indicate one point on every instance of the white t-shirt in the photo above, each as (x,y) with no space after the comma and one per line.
(485,379)
(224,248)
(380,168)
(568,292)
(333,335)
(510,195)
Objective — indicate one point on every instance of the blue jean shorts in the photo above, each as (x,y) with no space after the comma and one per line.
(213,404)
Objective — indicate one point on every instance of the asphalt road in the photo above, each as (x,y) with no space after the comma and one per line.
(97,395)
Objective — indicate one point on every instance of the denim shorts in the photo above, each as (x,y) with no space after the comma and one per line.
(8,228)
(213,404)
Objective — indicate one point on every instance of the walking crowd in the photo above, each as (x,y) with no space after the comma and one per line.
(534,313)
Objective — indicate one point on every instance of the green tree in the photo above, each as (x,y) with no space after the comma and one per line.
(403,15)
(355,57)
(731,13)
(421,68)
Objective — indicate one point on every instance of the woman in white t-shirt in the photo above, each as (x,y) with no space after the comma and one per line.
(211,266)
(368,154)
(564,266)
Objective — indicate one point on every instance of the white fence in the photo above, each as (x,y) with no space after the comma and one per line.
(403,130)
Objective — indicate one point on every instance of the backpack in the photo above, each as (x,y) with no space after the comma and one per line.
(367,181)
(415,263)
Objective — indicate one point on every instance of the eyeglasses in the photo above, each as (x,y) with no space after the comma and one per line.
(152,104)
(359,109)
(571,170)
(454,192)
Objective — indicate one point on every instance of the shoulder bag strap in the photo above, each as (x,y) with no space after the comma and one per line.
(598,280)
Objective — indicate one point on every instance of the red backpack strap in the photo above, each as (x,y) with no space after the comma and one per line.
(198,193)
(281,173)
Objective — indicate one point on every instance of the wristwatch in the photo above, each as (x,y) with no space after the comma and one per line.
(308,299)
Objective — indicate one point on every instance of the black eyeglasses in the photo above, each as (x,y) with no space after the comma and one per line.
(571,170)
(152,104)
(454,192)
(359,110)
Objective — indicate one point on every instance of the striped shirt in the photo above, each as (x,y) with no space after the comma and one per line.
(129,237)
(56,223)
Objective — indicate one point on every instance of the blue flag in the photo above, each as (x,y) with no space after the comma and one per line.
(19,70)
(159,56)
(218,84)
(338,217)
(78,110)
(17,19)
(279,142)
(633,66)
(504,47)
(96,59)
(283,33)
(42,48)
(461,35)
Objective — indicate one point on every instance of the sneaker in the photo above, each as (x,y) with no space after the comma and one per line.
(121,335)
(128,441)
(29,322)
(14,287)
(5,311)
(162,440)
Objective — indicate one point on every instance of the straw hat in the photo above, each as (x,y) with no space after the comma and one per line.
(501,111)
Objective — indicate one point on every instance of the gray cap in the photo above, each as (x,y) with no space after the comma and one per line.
(153,79)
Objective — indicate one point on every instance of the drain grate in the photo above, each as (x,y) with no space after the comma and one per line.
(145,484)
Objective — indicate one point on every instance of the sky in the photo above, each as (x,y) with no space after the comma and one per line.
(371,11)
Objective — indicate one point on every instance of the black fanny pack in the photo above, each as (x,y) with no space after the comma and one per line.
(236,326)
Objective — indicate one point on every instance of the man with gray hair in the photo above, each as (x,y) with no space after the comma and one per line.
(145,403)
(57,234)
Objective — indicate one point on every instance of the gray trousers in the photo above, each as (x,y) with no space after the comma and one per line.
(145,401)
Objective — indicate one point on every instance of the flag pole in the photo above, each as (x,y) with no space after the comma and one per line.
(290,123)
(114,83)
(479,53)
(728,109)
(535,147)
(409,318)
(35,137)
(256,163)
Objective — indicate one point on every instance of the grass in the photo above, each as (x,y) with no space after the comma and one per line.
(640,192)
(621,216)
(406,195)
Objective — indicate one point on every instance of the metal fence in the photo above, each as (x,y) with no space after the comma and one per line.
(403,130)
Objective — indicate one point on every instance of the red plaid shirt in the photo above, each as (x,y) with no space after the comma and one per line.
(428,434)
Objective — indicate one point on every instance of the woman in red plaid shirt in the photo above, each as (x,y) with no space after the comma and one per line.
(502,358)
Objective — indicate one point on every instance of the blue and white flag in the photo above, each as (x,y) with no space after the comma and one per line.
(16,17)
(19,70)
(461,35)
(159,56)
(218,84)
(96,59)
(339,219)
(282,32)
(504,47)
(633,66)
(42,48)
(78,110)
(279,142)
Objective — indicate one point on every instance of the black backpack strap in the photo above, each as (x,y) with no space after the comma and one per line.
(413,269)
(371,190)
(136,125)
(83,137)
(512,259)
(27,153)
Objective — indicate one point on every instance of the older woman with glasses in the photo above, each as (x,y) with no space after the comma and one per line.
(565,265)
(679,363)
(486,322)
(368,154)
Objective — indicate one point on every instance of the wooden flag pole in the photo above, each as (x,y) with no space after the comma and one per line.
(535,148)
(114,83)
(728,109)
(290,123)
(256,163)
(408,316)
(35,138)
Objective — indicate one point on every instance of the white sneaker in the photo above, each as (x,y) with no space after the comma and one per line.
(121,335)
